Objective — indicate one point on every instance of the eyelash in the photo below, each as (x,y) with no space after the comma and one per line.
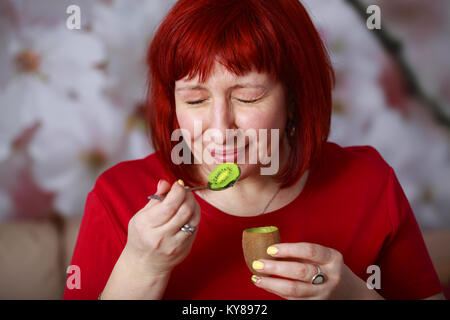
(195,102)
(244,101)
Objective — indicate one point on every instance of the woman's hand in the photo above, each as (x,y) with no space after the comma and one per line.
(155,240)
(155,245)
(340,282)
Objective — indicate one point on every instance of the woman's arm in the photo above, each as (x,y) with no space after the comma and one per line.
(130,280)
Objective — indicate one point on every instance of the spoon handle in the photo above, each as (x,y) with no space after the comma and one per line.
(158,197)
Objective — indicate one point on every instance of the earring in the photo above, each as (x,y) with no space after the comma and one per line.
(292,131)
(290,127)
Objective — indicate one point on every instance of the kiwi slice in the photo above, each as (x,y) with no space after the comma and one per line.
(223,176)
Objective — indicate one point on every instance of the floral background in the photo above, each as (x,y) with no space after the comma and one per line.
(71,100)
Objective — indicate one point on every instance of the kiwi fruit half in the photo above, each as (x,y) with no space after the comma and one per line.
(223,176)
(255,242)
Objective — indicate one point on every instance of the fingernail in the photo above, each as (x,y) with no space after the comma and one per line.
(181,182)
(256,279)
(272,250)
(257,265)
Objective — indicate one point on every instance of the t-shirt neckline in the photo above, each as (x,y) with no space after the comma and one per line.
(217,214)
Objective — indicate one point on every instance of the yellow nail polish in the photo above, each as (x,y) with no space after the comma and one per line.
(257,265)
(181,182)
(256,279)
(272,250)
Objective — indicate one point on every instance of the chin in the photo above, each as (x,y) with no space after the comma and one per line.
(248,170)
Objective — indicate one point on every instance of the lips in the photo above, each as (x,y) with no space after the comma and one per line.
(227,153)
(224,153)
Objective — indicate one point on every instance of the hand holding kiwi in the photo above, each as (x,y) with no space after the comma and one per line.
(154,233)
(255,242)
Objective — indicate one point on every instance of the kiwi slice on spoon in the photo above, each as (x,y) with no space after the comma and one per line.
(223,176)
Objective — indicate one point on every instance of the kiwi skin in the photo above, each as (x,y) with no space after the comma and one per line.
(232,171)
(255,242)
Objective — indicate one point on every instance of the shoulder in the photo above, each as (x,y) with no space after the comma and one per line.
(354,165)
(363,155)
(132,172)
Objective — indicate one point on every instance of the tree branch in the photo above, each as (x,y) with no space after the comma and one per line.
(394,48)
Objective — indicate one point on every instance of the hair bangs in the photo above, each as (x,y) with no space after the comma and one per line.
(239,42)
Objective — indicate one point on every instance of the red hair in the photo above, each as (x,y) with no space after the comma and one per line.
(277,37)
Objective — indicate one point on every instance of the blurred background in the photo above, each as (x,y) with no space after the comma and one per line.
(71,106)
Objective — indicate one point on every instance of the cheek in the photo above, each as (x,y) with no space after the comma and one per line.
(269,118)
(279,120)
(270,114)
(275,120)
(187,120)
(183,119)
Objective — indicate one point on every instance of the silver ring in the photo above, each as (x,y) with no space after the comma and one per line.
(319,277)
(188,228)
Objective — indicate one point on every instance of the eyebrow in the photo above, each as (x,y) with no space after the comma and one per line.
(238,86)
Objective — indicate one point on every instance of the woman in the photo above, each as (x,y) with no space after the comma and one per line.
(232,67)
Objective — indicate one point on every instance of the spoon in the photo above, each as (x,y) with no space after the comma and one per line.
(223,176)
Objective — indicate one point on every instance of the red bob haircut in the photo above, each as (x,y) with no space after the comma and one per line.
(277,37)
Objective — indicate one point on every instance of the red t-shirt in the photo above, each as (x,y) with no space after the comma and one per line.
(352,202)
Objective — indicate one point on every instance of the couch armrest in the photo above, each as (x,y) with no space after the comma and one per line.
(30,261)
(438,242)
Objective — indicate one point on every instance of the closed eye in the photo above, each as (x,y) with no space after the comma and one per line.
(249,101)
(240,100)
(196,102)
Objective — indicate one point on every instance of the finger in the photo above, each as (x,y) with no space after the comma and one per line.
(161,212)
(153,219)
(181,236)
(303,250)
(183,215)
(196,217)
(287,269)
(287,288)
(162,188)
(173,200)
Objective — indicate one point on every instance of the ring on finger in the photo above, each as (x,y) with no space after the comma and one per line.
(188,228)
(319,277)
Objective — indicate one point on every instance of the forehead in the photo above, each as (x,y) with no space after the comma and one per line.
(220,74)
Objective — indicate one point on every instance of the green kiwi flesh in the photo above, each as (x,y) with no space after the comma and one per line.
(262,229)
(224,176)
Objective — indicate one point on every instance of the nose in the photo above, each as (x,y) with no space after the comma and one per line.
(223,118)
